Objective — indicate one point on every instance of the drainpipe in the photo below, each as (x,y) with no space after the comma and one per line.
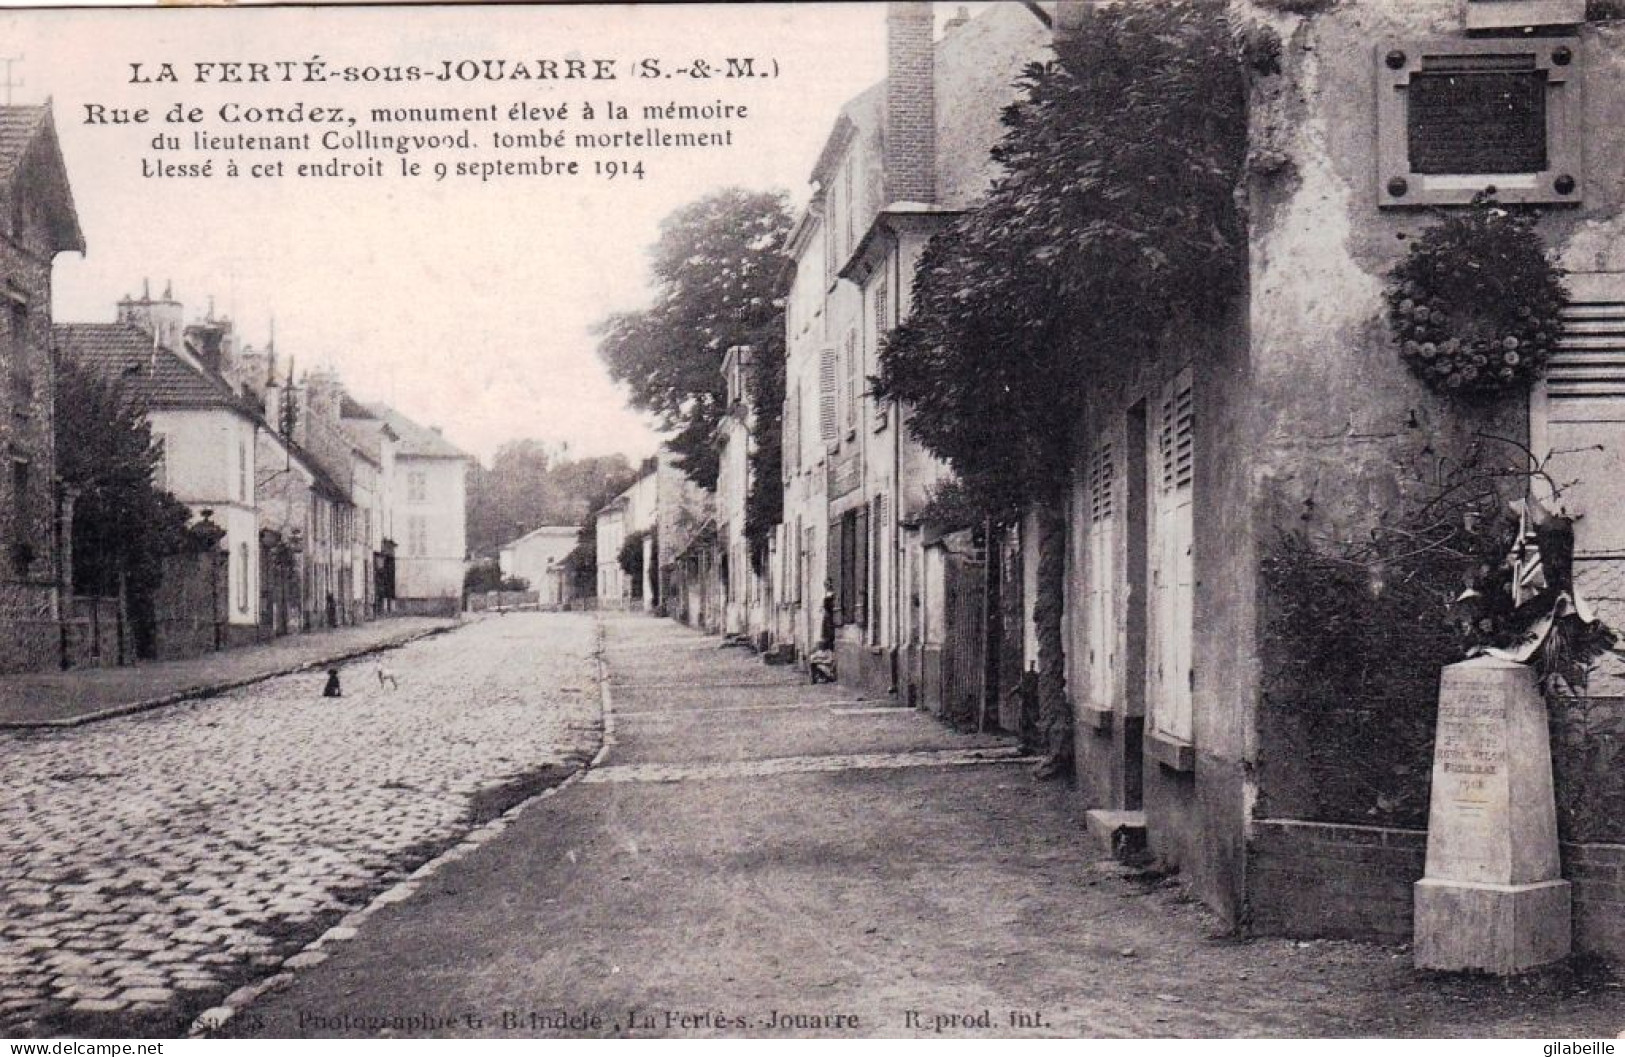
(896,414)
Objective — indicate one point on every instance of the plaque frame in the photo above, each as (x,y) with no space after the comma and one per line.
(1561,182)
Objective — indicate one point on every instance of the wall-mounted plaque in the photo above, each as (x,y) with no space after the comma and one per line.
(1460,116)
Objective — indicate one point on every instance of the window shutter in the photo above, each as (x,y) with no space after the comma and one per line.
(790,457)
(1175,436)
(837,585)
(852,373)
(1102,477)
(826,395)
(877,587)
(860,571)
(1173,574)
(1102,619)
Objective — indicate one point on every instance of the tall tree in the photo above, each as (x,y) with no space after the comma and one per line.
(529,485)
(123,524)
(717,267)
(764,499)
(1115,214)
(582,561)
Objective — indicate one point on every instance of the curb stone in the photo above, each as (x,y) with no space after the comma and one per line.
(318,950)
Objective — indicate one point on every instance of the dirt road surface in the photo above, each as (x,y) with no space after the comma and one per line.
(759,857)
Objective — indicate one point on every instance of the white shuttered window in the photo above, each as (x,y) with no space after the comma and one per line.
(1101,575)
(1172,465)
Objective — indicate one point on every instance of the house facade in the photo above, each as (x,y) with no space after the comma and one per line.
(537,557)
(635,512)
(37,223)
(374,445)
(429,502)
(1298,416)
(208,434)
(686,586)
(901,158)
(746,594)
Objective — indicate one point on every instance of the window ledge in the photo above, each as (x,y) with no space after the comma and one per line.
(1172,753)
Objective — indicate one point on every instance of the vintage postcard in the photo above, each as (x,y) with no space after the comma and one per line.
(879,520)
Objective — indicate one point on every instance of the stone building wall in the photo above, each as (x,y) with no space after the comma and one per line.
(28,591)
(1325,421)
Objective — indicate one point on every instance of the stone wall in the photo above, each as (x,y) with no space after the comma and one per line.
(1322,880)
(29,637)
(426,607)
(90,634)
(1335,881)
(28,633)
(484,600)
(189,607)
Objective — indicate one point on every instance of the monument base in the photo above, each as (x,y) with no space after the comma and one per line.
(1494,928)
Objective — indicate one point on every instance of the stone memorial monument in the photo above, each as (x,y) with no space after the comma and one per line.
(1492,898)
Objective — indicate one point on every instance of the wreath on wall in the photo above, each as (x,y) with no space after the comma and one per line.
(1475,305)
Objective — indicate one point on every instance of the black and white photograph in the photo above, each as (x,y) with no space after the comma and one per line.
(1066,519)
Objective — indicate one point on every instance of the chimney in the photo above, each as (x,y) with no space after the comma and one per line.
(249,372)
(215,342)
(160,318)
(910,136)
(325,393)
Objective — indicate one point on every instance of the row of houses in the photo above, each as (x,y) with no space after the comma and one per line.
(1295,415)
(330,511)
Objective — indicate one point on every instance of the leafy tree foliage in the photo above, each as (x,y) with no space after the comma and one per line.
(123,524)
(717,266)
(1115,215)
(483,576)
(582,562)
(630,560)
(764,499)
(529,485)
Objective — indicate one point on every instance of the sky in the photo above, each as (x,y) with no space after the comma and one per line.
(468,305)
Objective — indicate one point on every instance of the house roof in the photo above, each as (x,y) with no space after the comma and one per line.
(161,379)
(29,151)
(416,441)
(555,531)
(325,484)
(156,375)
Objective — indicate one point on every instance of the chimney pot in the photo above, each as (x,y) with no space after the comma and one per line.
(910,148)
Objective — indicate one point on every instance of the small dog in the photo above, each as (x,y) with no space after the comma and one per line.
(332,689)
(387,678)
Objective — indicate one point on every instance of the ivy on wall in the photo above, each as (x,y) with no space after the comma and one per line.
(1355,632)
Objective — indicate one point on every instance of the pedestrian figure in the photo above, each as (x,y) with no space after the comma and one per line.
(821,663)
(332,689)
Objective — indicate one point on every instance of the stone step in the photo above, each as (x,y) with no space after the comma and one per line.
(1120,833)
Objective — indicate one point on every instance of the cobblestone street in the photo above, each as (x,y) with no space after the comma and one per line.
(149,864)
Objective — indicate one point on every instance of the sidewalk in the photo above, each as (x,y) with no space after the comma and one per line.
(758,857)
(83,695)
